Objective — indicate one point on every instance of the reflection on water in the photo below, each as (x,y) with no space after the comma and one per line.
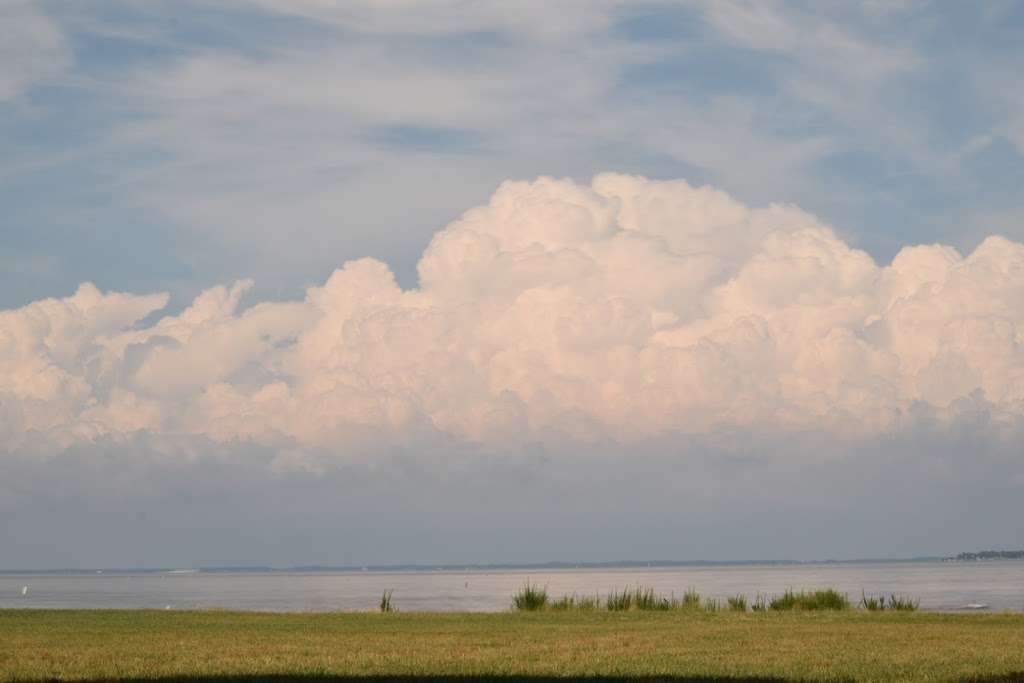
(939,586)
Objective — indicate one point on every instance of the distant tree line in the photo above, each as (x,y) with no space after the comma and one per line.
(991,555)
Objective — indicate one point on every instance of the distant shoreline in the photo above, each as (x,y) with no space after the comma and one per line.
(982,556)
(653,564)
(988,556)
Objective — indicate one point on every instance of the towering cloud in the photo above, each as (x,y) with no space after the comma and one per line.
(627,309)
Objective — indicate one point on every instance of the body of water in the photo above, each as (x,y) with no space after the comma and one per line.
(944,586)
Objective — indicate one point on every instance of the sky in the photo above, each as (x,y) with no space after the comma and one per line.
(296,282)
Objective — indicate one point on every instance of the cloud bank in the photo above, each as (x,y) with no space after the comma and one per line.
(624,310)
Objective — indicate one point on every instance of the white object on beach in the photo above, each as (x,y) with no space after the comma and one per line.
(24,590)
(976,605)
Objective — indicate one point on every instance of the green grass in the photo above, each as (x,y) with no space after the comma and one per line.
(673,645)
(574,602)
(530,598)
(827,599)
(619,602)
(385,602)
(901,603)
(737,603)
(691,599)
(898,603)
(640,598)
(647,599)
(712,604)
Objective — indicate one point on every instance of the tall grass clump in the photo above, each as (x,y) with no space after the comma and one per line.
(646,598)
(639,598)
(530,598)
(385,602)
(737,603)
(902,603)
(691,600)
(896,603)
(760,604)
(712,605)
(827,599)
(872,604)
(619,602)
(582,603)
(564,603)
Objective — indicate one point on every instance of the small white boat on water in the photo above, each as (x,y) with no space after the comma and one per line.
(975,605)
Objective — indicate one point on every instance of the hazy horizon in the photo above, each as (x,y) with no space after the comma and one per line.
(473,566)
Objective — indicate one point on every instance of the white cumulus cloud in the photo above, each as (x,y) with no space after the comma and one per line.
(626,309)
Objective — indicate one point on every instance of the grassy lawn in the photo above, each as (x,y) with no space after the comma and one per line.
(723,646)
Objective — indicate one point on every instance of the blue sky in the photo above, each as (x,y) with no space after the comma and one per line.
(315,284)
(172,146)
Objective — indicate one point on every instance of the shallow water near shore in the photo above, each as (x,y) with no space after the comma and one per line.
(940,586)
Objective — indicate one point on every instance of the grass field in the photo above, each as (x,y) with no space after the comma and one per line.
(519,647)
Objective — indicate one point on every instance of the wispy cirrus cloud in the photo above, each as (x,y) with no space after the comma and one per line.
(33,48)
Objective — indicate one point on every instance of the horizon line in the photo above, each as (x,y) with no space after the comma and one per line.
(464,566)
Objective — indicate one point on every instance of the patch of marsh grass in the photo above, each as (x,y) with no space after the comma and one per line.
(639,598)
(902,603)
(619,602)
(646,598)
(872,604)
(826,599)
(896,603)
(737,603)
(385,602)
(530,598)
(712,605)
(691,600)
(581,603)
(533,598)
(564,603)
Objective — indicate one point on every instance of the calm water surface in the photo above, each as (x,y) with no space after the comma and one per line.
(939,586)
